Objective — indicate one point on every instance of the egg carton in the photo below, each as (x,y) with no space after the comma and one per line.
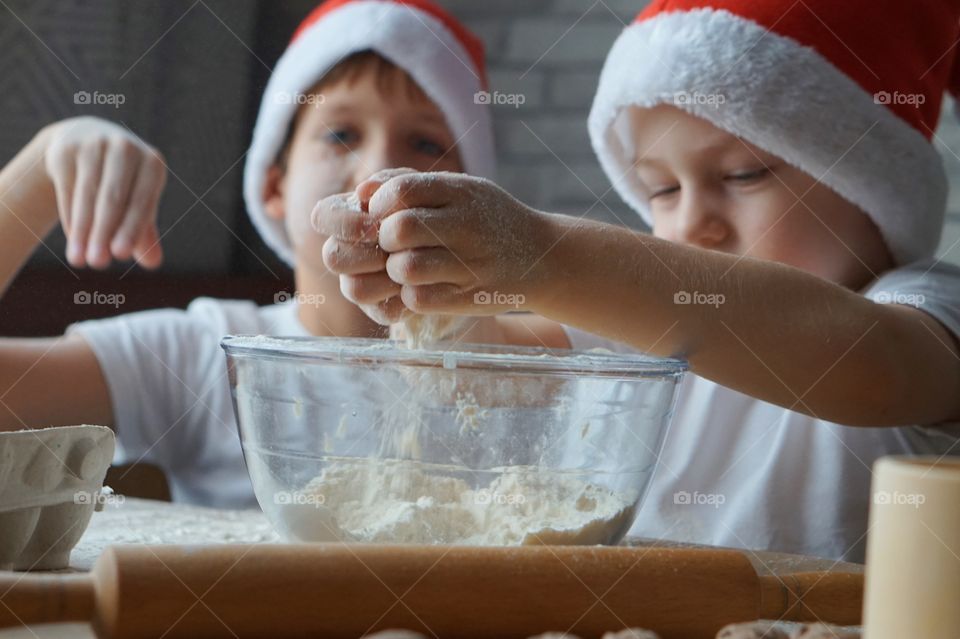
(50,483)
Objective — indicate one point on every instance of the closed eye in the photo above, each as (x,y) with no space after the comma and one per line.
(670,190)
(749,176)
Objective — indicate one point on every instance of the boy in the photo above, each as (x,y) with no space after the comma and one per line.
(786,201)
(363,86)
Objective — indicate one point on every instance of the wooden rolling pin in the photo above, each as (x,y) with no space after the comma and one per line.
(348,590)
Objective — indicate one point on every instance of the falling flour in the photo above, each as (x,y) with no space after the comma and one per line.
(423,331)
(397,501)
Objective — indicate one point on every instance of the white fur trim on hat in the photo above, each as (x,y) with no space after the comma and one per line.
(782,97)
(413,40)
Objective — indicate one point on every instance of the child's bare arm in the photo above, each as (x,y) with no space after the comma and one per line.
(772,331)
(766,329)
(103,184)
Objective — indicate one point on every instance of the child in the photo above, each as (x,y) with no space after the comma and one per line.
(788,196)
(364,86)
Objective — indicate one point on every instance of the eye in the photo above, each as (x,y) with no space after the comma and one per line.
(341,137)
(664,192)
(747,177)
(428,147)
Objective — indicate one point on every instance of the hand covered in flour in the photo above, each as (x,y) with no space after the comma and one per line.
(456,244)
(352,250)
(108,184)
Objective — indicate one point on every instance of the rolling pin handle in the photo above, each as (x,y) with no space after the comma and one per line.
(33,599)
(832,597)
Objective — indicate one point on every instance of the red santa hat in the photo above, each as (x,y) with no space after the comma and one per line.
(439,53)
(847,91)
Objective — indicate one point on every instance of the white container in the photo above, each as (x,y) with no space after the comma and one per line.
(50,482)
(913,552)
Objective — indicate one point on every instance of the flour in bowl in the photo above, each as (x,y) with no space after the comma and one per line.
(400,501)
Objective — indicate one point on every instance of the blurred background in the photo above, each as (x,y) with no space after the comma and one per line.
(190,73)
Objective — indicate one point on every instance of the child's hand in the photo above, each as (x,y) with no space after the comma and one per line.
(108,184)
(351,250)
(458,244)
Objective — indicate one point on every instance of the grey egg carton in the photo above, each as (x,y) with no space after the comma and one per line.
(50,483)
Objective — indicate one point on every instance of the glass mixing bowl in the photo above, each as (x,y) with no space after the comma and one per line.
(363,440)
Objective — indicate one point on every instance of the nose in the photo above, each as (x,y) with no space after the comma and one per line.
(379,152)
(700,220)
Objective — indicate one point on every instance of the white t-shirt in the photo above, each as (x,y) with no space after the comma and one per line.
(787,482)
(736,471)
(167,377)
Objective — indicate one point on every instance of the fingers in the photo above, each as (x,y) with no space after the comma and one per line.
(368,187)
(141,210)
(427,266)
(146,250)
(62,170)
(389,311)
(107,184)
(83,203)
(121,163)
(346,258)
(427,190)
(419,228)
(369,288)
(336,216)
(438,298)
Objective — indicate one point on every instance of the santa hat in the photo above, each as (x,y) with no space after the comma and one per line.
(439,53)
(847,91)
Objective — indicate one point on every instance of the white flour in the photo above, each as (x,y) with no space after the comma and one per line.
(423,331)
(391,501)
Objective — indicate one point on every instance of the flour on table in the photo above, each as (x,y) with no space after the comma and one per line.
(399,501)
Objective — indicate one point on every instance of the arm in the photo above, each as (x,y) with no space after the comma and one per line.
(774,332)
(780,334)
(107,186)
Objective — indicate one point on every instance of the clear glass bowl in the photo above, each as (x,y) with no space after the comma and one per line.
(363,440)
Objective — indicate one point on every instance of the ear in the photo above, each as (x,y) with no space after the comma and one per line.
(273,193)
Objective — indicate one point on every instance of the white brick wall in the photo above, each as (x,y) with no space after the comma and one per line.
(551,52)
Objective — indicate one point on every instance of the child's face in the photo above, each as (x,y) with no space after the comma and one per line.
(362,124)
(710,189)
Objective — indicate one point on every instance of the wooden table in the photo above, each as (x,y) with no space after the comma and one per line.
(125,521)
